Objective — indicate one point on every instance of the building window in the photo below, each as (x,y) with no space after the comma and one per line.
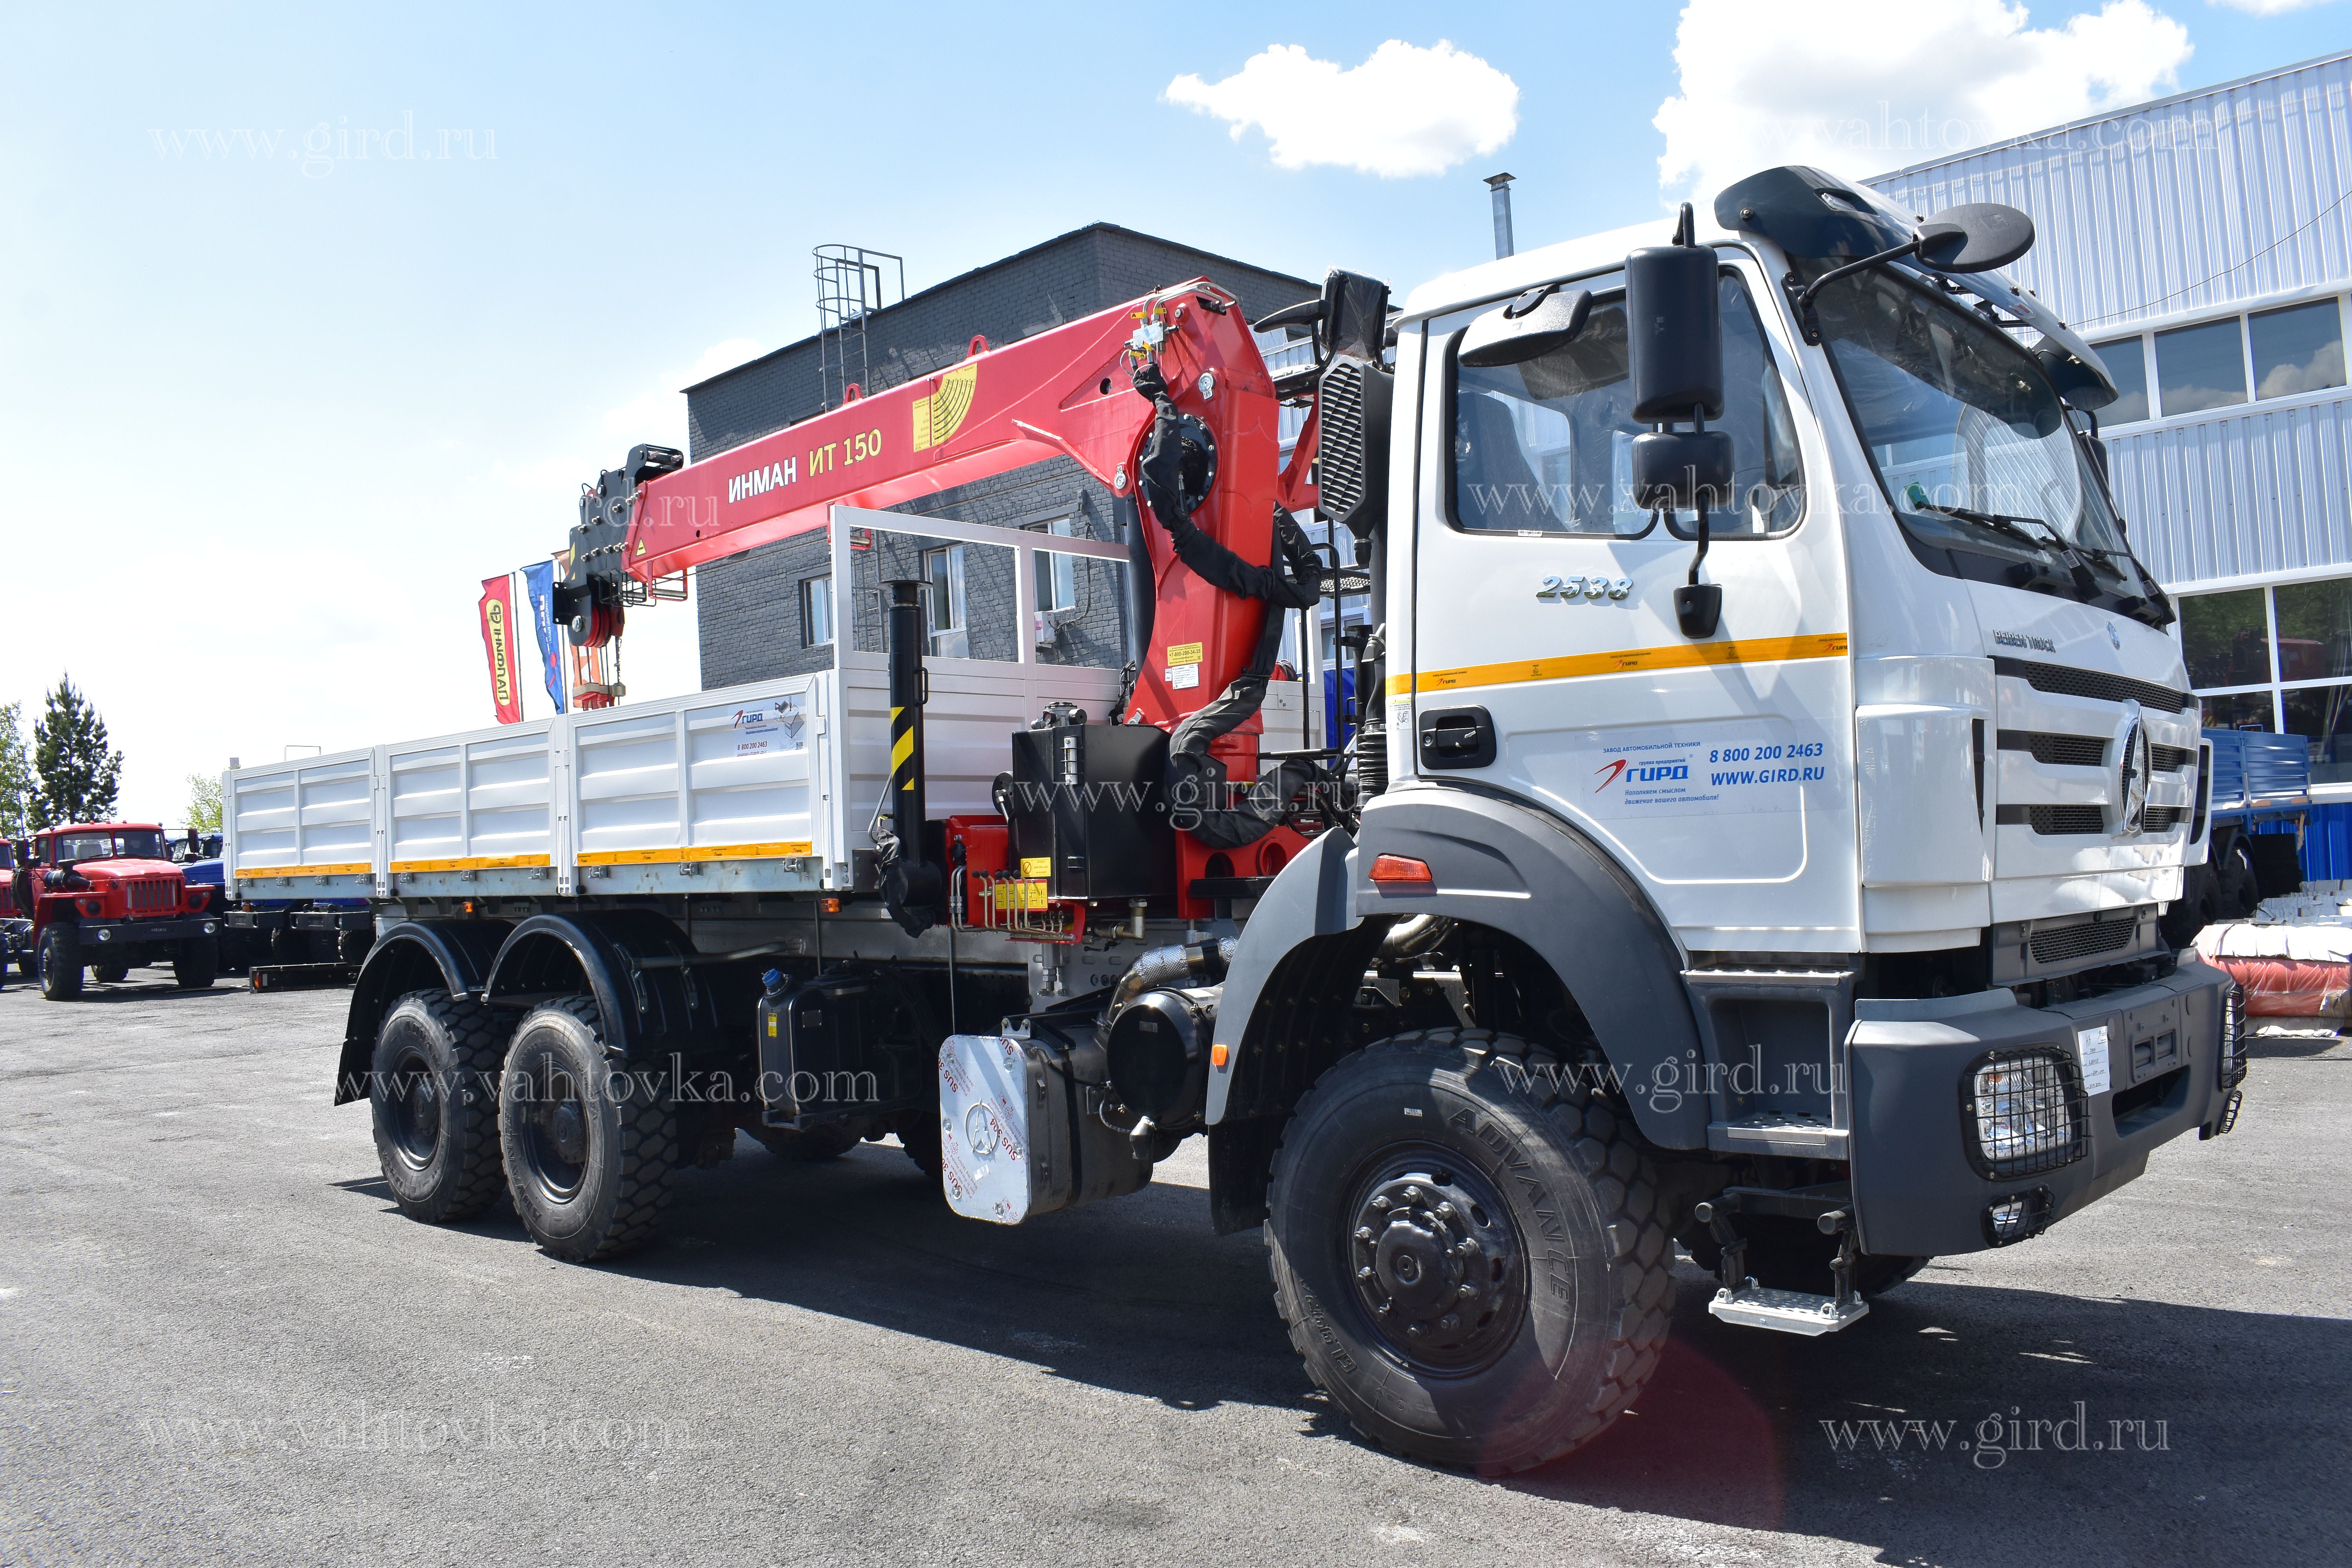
(2277,659)
(2201,368)
(816,611)
(2126,361)
(1057,575)
(943,579)
(2299,349)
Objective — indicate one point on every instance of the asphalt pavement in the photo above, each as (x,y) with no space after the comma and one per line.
(220,1342)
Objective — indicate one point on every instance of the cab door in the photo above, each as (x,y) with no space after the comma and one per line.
(1545,655)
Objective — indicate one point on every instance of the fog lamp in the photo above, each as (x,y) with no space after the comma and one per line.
(2017,1216)
(105,936)
(2027,1112)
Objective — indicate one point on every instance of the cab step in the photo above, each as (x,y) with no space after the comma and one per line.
(1753,1306)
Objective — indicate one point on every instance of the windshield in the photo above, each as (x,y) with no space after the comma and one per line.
(1971,440)
(126,844)
(1547,446)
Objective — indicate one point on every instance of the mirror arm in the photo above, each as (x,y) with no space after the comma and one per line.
(1805,317)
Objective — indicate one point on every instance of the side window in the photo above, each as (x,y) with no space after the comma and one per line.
(1544,446)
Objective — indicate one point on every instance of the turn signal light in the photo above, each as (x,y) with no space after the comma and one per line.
(1401,871)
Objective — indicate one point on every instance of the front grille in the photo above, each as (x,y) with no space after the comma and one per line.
(2170,759)
(2162,818)
(2081,941)
(2052,819)
(152,895)
(2057,751)
(2065,680)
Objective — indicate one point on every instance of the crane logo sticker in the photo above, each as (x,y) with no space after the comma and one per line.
(1683,770)
(941,413)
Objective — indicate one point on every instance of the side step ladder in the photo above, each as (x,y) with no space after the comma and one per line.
(1739,1299)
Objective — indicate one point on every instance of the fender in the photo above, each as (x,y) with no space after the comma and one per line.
(637,1006)
(1505,865)
(411,956)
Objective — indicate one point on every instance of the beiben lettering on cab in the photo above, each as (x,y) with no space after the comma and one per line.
(1467,1022)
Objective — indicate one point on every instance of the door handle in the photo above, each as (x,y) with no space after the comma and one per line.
(1452,738)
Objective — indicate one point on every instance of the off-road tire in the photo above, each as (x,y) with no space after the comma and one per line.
(196,963)
(1785,1254)
(109,974)
(2241,890)
(627,1138)
(816,1144)
(1580,1312)
(58,963)
(436,1135)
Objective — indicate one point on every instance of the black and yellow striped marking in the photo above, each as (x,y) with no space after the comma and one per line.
(902,748)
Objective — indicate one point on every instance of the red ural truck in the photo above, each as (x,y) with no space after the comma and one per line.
(105,897)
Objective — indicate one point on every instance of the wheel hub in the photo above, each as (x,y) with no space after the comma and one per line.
(417,1111)
(1436,1262)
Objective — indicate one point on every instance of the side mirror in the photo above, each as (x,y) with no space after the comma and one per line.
(1673,335)
(1674,332)
(1979,238)
(1529,327)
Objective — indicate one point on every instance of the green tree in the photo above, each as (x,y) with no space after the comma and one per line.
(18,788)
(80,773)
(203,802)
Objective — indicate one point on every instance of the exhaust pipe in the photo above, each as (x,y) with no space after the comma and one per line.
(1501,185)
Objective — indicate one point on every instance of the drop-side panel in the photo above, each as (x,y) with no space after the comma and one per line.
(301,829)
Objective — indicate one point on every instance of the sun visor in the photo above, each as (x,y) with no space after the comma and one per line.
(1815,215)
(1809,213)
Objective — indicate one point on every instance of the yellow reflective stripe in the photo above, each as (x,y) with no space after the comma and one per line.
(471,863)
(1624,661)
(352,868)
(789,849)
(902,749)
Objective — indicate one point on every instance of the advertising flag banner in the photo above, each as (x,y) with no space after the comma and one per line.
(498,640)
(539,584)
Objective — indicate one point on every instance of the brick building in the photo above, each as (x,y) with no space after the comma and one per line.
(772,611)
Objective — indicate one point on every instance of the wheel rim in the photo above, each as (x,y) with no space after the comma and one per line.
(1436,1260)
(413,1111)
(554,1127)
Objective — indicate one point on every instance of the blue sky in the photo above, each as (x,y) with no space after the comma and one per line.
(273,409)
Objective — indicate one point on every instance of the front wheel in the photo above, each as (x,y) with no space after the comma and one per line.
(590,1146)
(60,965)
(196,963)
(1474,1264)
(109,974)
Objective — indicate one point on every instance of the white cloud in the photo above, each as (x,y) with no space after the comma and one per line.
(2267,7)
(1859,87)
(1405,111)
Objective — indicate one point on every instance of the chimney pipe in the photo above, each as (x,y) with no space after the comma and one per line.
(1501,185)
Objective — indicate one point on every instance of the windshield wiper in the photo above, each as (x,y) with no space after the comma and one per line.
(2086,582)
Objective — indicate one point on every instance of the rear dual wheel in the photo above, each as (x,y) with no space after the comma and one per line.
(1474,1265)
(590,1147)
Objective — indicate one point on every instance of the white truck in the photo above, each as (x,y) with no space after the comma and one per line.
(1778,766)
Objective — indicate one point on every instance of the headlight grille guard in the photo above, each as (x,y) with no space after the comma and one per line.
(2045,1079)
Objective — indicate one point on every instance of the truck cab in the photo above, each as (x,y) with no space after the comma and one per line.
(106,897)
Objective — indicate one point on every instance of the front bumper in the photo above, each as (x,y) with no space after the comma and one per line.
(1921,1182)
(99,937)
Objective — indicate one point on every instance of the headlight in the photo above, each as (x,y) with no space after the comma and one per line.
(2024,1111)
(2233,1063)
